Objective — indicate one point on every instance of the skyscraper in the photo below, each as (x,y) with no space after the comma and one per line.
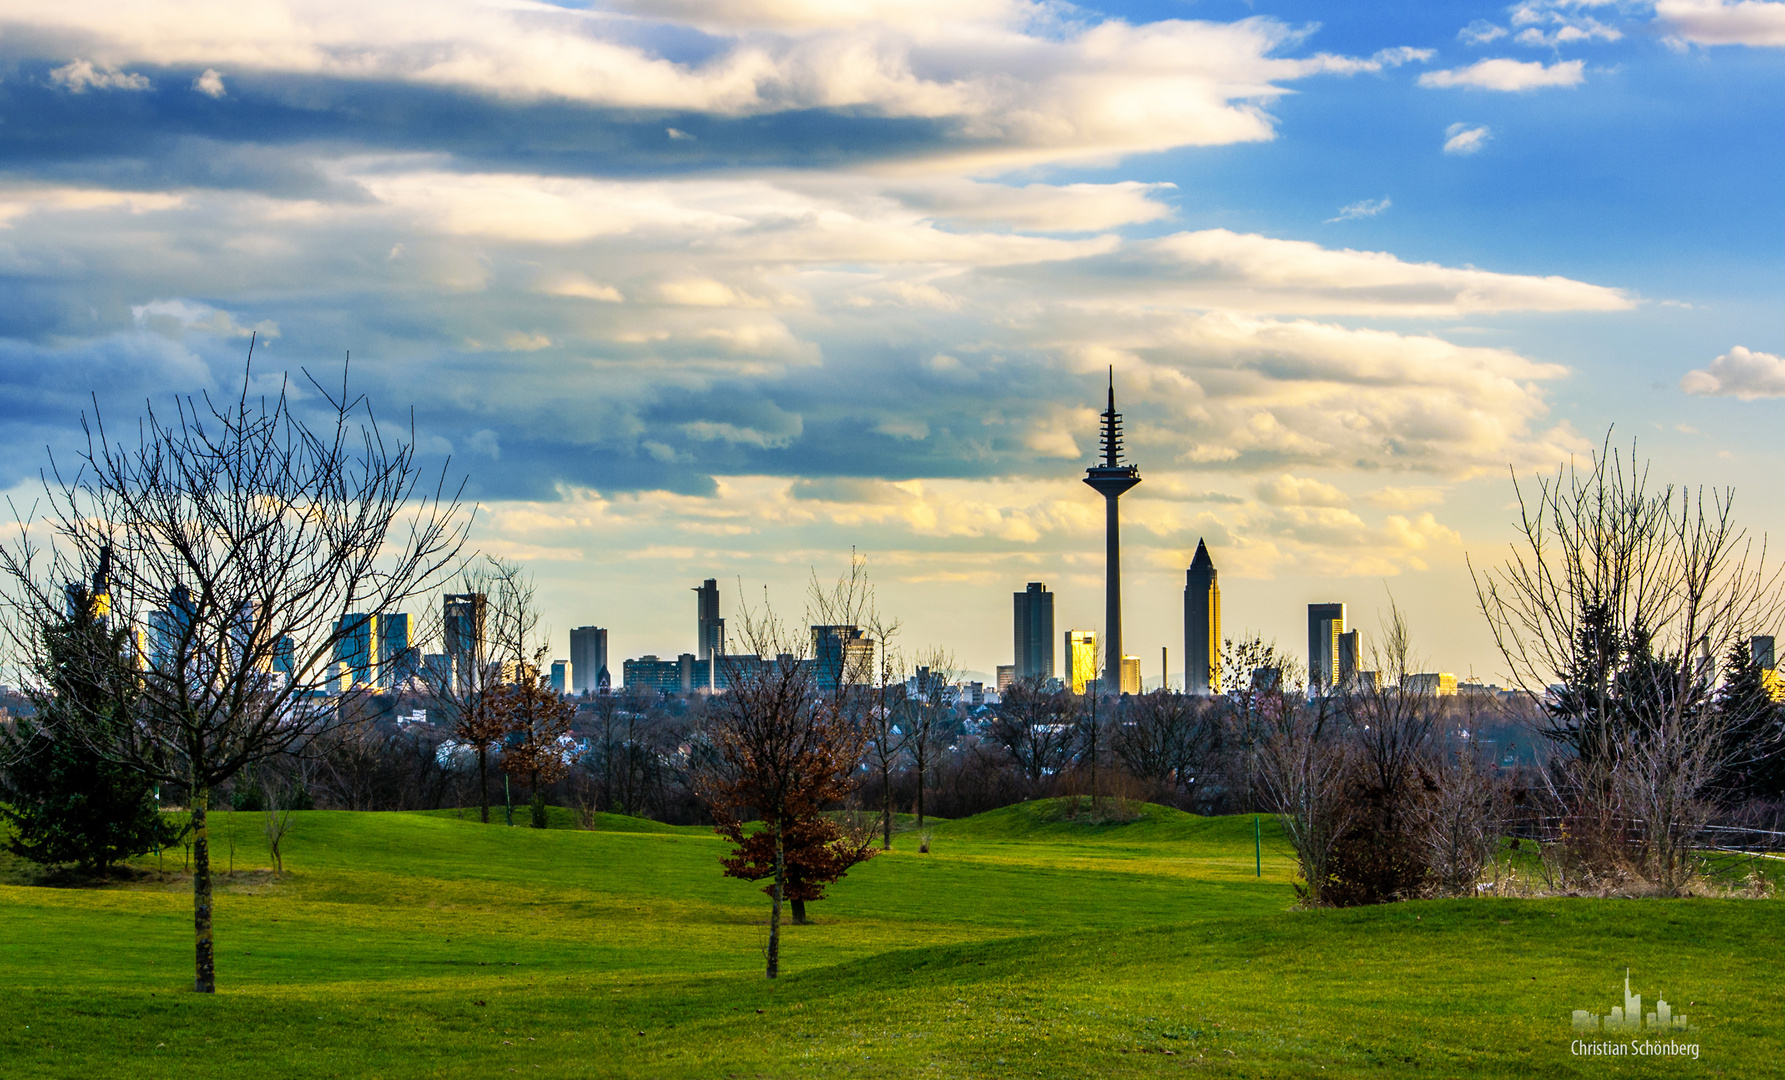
(1110,480)
(1326,623)
(356,646)
(398,660)
(1034,632)
(464,618)
(1081,659)
(843,656)
(710,628)
(1350,648)
(1202,625)
(1130,674)
(559,675)
(588,660)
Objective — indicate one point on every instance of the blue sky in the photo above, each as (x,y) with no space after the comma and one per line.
(693,288)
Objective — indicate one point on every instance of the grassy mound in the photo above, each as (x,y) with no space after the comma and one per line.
(1027,944)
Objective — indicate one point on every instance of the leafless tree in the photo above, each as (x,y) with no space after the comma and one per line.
(236,535)
(927,736)
(1037,728)
(1304,772)
(1252,670)
(1620,594)
(1166,737)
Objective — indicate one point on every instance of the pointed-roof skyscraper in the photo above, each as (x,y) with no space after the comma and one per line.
(1110,480)
(1202,625)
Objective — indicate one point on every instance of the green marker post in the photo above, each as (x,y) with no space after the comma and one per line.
(1257,848)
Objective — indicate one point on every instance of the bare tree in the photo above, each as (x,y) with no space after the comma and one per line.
(1621,594)
(1304,772)
(1251,669)
(1037,729)
(1166,737)
(926,712)
(237,536)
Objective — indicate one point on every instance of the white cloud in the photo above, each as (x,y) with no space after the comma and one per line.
(1739,373)
(210,83)
(180,315)
(1287,490)
(78,76)
(1361,209)
(1216,269)
(1720,22)
(1007,83)
(1463,139)
(1480,32)
(1508,75)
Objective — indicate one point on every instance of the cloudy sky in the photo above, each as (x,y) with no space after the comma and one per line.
(722,288)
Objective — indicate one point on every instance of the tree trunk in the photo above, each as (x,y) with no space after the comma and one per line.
(920,780)
(885,807)
(483,781)
(799,912)
(206,970)
(775,910)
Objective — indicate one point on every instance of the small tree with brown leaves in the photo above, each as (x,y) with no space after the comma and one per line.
(538,719)
(780,752)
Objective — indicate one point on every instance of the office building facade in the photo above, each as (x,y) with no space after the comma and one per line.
(588,660)
(843,655)
(709,627)
(1202,625)
(1326,624)
(1081,659)
(398,659)
(1130,674)
(465,615)
(1034,610)
(356,646)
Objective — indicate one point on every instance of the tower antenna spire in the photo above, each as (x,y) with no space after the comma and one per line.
(1110,479)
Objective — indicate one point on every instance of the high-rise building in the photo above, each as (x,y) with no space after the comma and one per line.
(1202,625)
(1350,648)
(356,646)
(1110,480)
(1130,674)
(843,655)
(1006,676)
(1034,632)
(588,660)
(1439,683)
(398,660)
(1326,622)
(665,676)
(285,656)
(710,628)
(560,675)
(1081,659)
(465,615)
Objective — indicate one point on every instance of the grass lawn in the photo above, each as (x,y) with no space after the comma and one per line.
(1022,946)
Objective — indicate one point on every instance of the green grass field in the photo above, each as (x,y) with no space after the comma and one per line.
(1022,946)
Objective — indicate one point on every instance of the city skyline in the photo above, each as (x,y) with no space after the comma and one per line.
(1348,262)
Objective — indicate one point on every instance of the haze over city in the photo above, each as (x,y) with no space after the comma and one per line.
(696,290)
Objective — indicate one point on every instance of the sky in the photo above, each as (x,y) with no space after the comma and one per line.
(728,288)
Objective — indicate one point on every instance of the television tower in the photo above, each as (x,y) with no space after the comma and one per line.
(1111,479)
